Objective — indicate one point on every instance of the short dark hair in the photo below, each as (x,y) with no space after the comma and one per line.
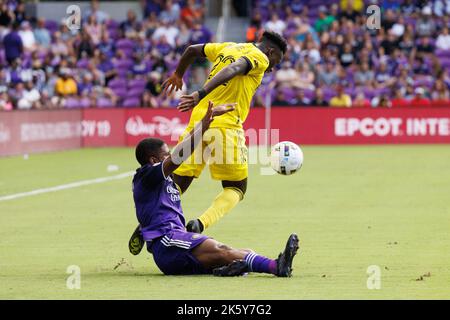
(276,39)
(146,148)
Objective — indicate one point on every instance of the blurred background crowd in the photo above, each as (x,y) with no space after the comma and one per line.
(337,56)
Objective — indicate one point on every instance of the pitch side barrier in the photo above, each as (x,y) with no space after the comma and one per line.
(23,132)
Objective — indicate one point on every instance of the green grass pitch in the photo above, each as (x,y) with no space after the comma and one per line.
(352,207)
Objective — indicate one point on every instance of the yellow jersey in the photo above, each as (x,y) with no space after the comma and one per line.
(238,90)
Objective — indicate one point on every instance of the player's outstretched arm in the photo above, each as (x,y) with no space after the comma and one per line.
(241,66)
(175,81)
(184,149)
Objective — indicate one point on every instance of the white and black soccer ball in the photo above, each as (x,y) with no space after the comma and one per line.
(286,158)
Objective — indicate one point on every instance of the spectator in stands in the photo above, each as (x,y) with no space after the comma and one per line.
(168,31)
(6,19)
(443,40)
(324,20)
(318,100)
(419,99)
(106,66)
(191,13)
(398,29)
(383,77)
(30,97)
(356,5)
(5,101)
(286,77)
(13,44)
(280,100)
(440,91)
(94,9)
(130,25)
(361,101)
(19,12)
(347,57)
(183,38)
(27,36)
(255,30)
(329,76)
(305,77)
(425,26)
(341,99)
(42,35)
(152,91)
(407,7)
(425,48)
(171,11)
(275,24)
(84,48)
(65,85)
(300,99)
(364,76)
(94,29)
(399,100)
(381,101)
(151,7)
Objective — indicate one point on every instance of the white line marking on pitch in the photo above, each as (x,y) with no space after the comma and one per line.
(66,186)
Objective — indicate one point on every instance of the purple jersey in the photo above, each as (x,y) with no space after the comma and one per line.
(157,202)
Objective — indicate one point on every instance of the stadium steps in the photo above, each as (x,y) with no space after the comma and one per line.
(235,29)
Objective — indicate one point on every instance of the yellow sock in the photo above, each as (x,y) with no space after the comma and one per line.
(222,204)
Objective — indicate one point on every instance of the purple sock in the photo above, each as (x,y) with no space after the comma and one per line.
(257,263)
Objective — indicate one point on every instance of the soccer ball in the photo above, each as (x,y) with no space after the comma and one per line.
(286,158)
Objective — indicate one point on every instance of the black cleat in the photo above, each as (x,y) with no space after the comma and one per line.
(194,226)
(236,268)
(284,261)
(136,242)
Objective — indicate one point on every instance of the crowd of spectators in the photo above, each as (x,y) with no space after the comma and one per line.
(105,63)
(338,55)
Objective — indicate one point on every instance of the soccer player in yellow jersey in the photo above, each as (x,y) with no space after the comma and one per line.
(237,71)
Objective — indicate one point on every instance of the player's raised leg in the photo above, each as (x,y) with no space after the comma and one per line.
(232,193)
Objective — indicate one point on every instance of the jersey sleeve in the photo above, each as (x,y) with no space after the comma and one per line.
(152,175)
(257,61)
(212,50)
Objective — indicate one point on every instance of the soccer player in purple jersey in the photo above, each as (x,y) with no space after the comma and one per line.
(162,223)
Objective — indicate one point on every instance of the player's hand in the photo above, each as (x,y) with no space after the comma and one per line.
(222,109)
(187,102)
(175,82)
(212,111)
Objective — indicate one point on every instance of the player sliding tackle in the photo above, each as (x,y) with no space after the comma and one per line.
(236,74)
(158,209)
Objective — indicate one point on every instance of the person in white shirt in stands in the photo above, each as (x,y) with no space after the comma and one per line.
(275,24)
(27,36)
(443,40)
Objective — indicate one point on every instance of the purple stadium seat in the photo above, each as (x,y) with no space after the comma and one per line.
(121,92)
(104,103)
(117,83)
(135,93)
(137,83)
(123,64)
(72,103)
(125,44)
(131,102)
(85,103)
(123,73)
(83,63)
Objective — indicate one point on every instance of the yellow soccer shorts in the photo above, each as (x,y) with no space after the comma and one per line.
(223,150)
